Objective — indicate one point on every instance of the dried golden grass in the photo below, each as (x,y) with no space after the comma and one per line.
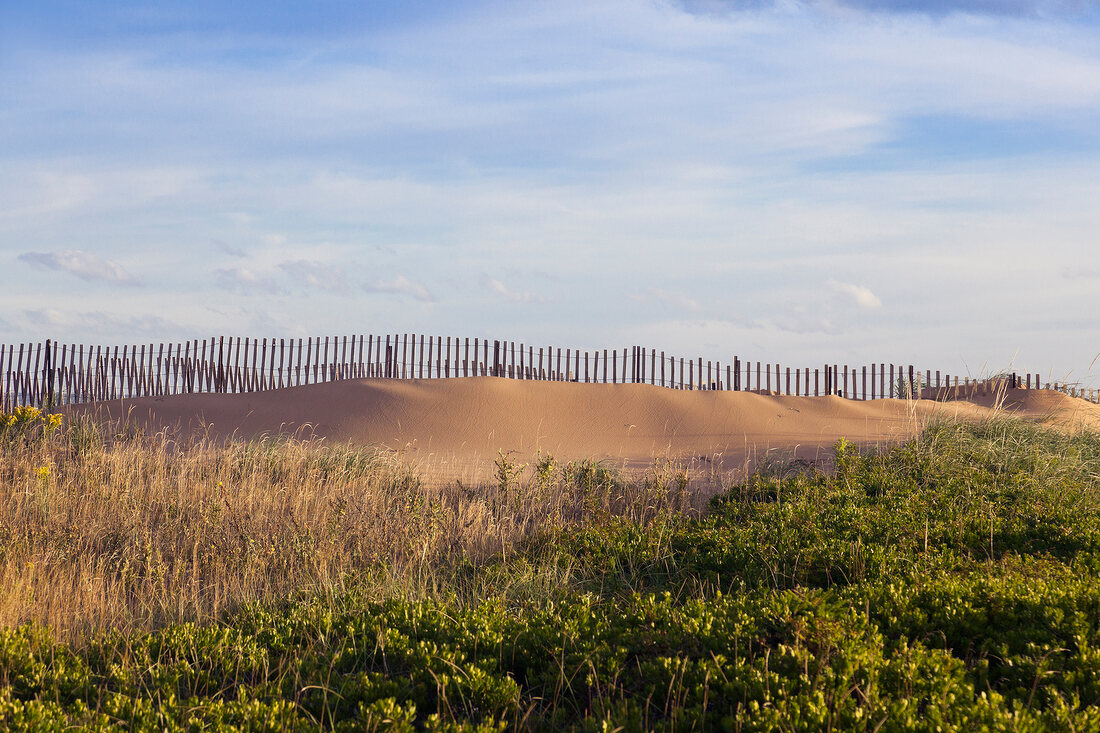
(101,527)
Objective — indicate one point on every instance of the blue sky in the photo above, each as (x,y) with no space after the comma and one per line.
(802,182)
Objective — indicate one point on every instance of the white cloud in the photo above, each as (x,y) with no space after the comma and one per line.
(496,286)
(84,265)
(246,280)
(316,275)
(1080,273)
(401,285)
(862,296)
(676,300)
(1025,8)
(230,249)
(100,323)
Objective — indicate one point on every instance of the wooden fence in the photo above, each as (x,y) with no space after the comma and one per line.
(48,373)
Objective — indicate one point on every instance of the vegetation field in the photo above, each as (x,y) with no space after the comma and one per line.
(950,583)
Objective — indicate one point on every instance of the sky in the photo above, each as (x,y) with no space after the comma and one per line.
(792,181)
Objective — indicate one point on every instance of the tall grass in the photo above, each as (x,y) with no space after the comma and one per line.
(104,527)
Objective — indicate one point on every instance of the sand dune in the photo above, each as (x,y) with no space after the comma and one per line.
(457,426)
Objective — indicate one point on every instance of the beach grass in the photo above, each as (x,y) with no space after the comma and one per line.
(102,526)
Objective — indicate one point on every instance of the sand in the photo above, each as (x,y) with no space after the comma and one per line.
(454,428)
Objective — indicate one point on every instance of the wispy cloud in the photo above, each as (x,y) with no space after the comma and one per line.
(666,297)
(401,285)
(1080,273)
(230,249)
(798,323)
(99,322)
(496,286)
(316,275)
(862,296)
(246,280)
(1026,8)
(84,265)
(1022,8)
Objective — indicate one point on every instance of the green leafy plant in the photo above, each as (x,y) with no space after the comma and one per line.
(545,469)
(507,472)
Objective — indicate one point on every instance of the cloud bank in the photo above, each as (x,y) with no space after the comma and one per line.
(316,275)
(84,265)
(1070,9)
(401,285)
(861,296)
(497,287)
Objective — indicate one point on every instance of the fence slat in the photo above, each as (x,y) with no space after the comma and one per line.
(76,373)
(147,366)
(127,366)
(271,368)
(4,370)
(33,377)
(5,380)
(79,379)
(14,375)
(82,374)
(282,361)
(208,365)
(104,386)
(98,385)
(121,366)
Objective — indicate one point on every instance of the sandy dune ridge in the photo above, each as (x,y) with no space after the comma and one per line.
(454,428)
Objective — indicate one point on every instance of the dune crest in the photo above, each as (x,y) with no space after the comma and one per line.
(459,425)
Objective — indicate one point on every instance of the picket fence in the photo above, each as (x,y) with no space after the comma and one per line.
(47,374)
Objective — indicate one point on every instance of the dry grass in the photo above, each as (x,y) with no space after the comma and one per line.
(102,527)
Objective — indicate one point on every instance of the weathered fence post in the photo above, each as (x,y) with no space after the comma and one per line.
(47,375)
